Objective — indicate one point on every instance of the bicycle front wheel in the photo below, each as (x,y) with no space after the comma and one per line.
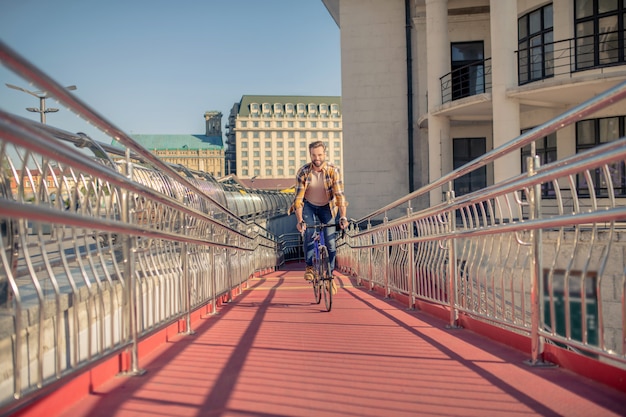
(317,288)
(326,278)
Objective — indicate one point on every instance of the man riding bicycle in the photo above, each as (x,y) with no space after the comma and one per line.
(319,194)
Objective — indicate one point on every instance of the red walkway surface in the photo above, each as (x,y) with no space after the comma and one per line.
(272,352)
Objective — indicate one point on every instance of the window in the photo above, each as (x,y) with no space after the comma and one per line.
(256,154)
(302,134)
(600,26)
(256,144)
(244,134)
(468,69)
(268,154)
(594,132)
(545,149)
(268,135)
(279,134)
(535,59)
(244,123)
(268,124)
(244,154)
(255,135)
(255,124)
(254,109)
(244,144)
(465,150)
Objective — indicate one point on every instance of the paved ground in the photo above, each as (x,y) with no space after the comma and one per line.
(272,352)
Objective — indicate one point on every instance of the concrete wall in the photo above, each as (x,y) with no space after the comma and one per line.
(374,97)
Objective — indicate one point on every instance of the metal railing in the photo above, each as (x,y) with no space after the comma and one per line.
(466,81)
(98,251)
(564,57)
(552,270)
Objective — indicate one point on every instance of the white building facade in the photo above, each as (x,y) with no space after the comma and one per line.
(268,136)
(429,85)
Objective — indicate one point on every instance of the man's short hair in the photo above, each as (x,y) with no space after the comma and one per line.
(317,144)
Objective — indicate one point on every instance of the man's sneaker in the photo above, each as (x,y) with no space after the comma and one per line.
(309,273)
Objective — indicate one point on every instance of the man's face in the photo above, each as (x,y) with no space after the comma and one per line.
(318,156)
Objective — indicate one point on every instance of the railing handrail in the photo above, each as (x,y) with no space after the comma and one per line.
(579,112)
(20,65)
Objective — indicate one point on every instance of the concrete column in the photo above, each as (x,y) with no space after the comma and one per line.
(506,115)
(438,56)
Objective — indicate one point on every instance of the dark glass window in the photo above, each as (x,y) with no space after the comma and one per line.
(594,132)
(535,59)
(599,32)
(465,150)
(468,69)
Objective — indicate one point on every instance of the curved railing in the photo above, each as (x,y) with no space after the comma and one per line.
(102,246)
(549,269)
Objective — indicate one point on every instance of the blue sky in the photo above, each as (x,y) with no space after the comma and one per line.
(156,66)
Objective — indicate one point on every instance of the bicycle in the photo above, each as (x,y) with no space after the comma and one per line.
(322,274)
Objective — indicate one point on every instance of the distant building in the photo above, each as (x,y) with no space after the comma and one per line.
(196,152)
(268,136)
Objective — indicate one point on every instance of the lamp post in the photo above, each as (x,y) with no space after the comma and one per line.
(42,96)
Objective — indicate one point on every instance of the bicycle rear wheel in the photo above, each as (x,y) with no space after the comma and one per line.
(326,278)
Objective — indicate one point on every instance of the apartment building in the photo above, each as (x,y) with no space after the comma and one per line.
(425,92)
(268,136)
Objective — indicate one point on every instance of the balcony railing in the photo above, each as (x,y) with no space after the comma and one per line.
(469,80)
(568,56)
(539,62)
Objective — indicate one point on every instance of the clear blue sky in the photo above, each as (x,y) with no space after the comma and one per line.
(155,66)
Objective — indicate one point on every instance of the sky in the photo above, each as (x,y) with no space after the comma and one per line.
(156,66)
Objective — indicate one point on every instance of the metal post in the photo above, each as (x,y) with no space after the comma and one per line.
(452,263)
(129,271)
(536,278)
(186,278)
(411,267)
(386,259)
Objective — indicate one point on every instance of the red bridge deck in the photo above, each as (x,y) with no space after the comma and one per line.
(272,352)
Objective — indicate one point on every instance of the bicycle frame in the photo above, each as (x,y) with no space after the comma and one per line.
(323,277)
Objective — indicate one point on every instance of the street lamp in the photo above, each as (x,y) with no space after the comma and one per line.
(42,96)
